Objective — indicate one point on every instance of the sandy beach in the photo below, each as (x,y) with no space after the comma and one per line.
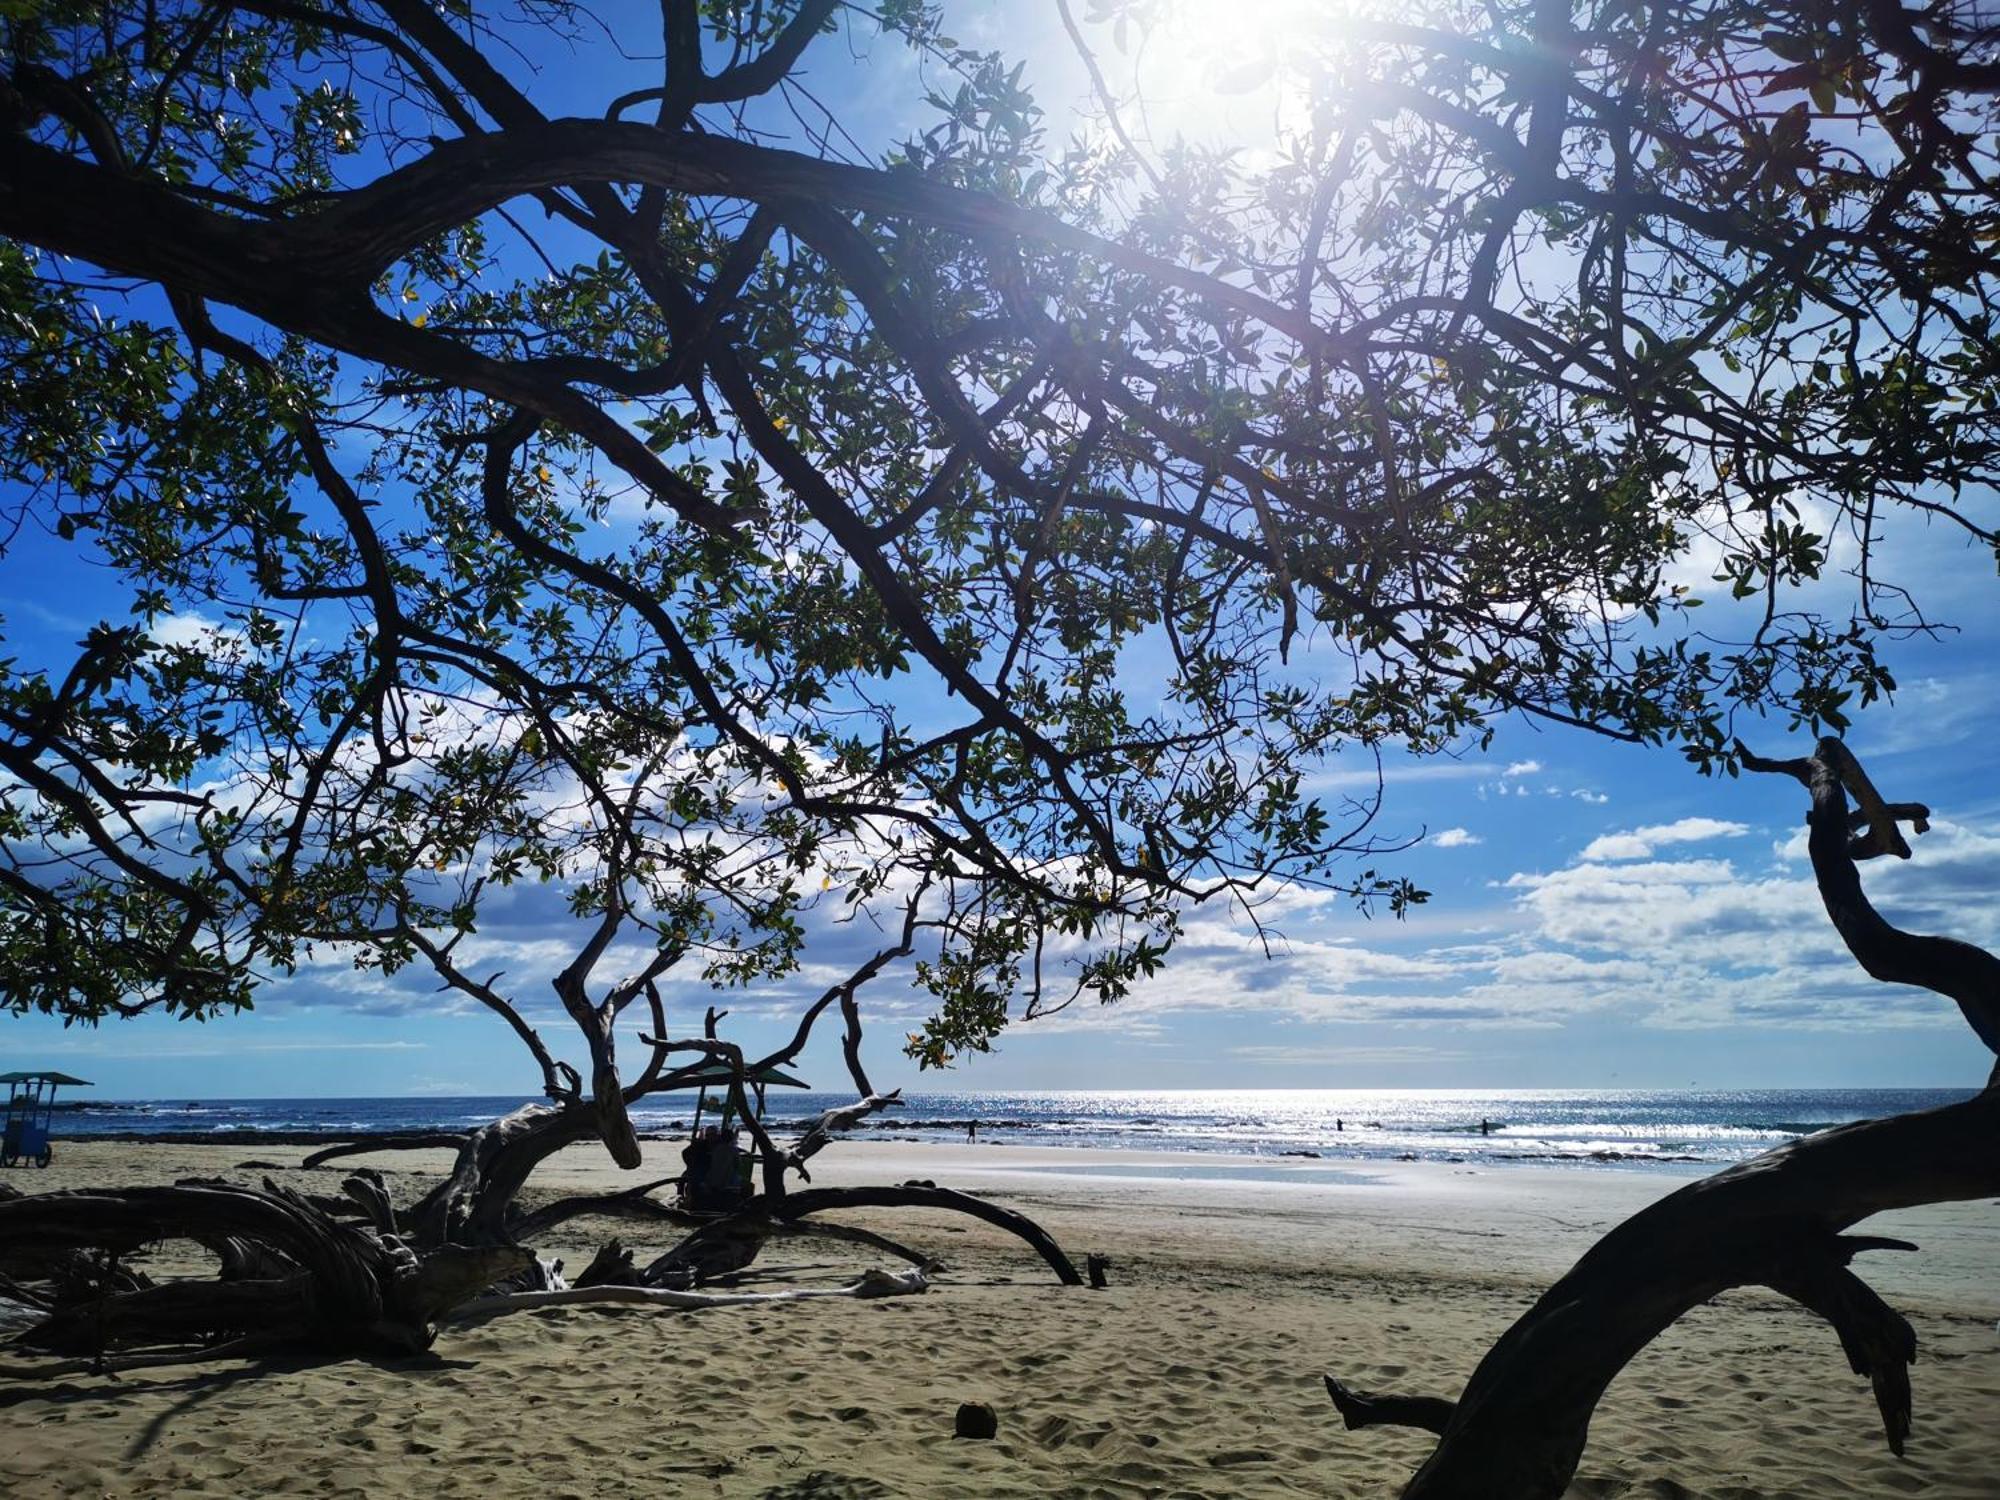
(1196,1373)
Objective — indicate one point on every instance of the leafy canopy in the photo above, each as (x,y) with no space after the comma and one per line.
(520,460)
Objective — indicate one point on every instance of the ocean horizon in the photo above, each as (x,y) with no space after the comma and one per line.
(1688,1129)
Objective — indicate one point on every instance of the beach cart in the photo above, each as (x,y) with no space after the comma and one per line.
(719,1173)
(31,1100)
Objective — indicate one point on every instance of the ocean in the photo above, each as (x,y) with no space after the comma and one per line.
(1669,1130)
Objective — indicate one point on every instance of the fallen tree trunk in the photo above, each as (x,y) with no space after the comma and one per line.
(1777,1221)
(334,1275)
(172,1313)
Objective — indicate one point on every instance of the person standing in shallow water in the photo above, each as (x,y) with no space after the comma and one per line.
(1486,1127)
(971,1131)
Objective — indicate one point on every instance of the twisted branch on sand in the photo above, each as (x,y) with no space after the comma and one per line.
(1776,1221)
(871,1284)
(721,1246)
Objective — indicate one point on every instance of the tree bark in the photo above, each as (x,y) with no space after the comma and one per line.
(714,1245)
(355,1290)
(368,1147)
(1520,1427)
(1966,974)
(470,1206)
(872,1284)
(1777,1221)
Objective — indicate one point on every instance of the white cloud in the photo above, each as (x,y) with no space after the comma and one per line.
(1639,843)
(119,1052)
(1324,1056)
(1400,772)
(1454,838)
(192,629)
(1522,768)
(1617,846)
(1698,944)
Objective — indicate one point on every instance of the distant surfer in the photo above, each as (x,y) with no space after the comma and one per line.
(1486,1127)
(1339,1124)
(971,1131)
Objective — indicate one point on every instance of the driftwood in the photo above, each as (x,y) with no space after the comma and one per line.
(636,1203)
(821,1130)
(728,1244)
(375,1143)
(628,1203)
(474,1206)
(871,1284)
(613,1265)
(353,1274)
(249,1346)
(470,1206)
(19,1313)
(1776,1221)
(357,1273)
(353,1289)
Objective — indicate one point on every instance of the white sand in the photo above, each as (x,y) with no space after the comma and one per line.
(1196,1374)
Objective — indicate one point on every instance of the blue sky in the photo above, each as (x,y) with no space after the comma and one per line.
(1600,915)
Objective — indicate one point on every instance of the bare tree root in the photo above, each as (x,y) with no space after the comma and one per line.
(1776,1221)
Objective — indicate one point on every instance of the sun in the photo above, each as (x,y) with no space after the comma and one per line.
(1215,72)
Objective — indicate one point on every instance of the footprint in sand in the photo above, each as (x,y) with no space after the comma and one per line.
(821,1485)
(1236,1458)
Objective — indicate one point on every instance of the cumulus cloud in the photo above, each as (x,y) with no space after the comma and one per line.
(1698,943)
(1639,843)
(1643,927)
(1522,768)
(193,629)
(1625,932)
